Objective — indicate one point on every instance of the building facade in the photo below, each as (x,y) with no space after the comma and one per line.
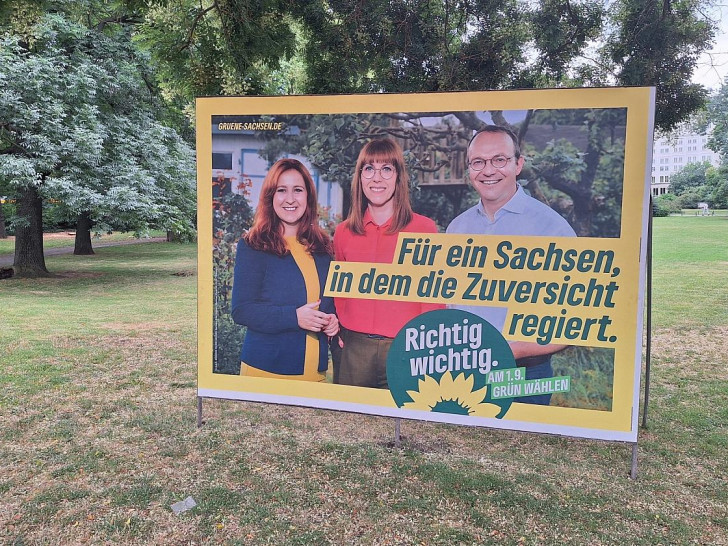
(672,152)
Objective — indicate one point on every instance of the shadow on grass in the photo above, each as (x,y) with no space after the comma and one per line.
(117,266)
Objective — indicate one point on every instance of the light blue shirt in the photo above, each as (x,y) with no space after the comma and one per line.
(521,215)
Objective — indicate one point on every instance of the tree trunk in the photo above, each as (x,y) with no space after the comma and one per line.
(174,237)
(29,259)
(82,245)
(3,233)
(583,198)
(346,201)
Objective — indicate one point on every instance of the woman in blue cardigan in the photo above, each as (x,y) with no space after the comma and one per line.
(280,271)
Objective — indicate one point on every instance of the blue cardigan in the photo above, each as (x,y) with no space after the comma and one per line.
(267,290)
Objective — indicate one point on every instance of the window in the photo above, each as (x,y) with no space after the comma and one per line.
(222,161)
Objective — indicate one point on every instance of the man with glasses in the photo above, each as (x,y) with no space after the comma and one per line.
(494,162)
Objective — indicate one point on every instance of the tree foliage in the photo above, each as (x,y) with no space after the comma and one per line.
(232,216)
(717,181)
(717,116)
(657,42)
(562,30)
(211,47)
(665,205)
(94,142)
(700,183)
(690,177)
(406,46)
(587,177)
(423,45)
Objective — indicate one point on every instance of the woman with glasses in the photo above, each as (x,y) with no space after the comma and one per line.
(280,271)
(380,209)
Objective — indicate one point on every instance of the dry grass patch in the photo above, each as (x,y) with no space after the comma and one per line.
(263,474)
(694,350)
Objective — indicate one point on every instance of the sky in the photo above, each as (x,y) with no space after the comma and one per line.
(712,68)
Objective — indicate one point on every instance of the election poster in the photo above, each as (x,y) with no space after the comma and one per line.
(475,258)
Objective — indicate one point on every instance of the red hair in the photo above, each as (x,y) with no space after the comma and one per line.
(266,234)
(384,150)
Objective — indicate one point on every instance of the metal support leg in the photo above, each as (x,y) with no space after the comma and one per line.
(633,472)
(199,412)
(397,437)
(648,349)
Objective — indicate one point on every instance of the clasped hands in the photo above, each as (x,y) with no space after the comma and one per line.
(310,318)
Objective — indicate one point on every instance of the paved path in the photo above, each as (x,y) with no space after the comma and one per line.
(6,260)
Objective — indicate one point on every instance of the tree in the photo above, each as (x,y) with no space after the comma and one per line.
(717,179)
(700,182)
(717,115)
(38,137)
(93,142)
(691,176)
(588,175)
(145,179)
(212,47)
(657,42)
(717,184)
(562,31)
(665,205)
(405,45)
(691,198)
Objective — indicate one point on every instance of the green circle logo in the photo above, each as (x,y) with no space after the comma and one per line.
(448,361)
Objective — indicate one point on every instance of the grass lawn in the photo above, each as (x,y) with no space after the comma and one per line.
(698,212)
(67,238)
(690,263)
(98,434)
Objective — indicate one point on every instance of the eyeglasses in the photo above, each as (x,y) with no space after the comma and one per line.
(385,172)
(498,162)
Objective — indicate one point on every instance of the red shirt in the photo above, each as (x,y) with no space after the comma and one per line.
(373,316)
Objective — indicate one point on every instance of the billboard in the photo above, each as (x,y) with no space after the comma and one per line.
(510,297)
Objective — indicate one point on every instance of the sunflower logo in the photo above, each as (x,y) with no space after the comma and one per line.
(451,395)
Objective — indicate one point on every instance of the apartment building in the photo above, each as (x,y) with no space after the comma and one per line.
(672,152)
